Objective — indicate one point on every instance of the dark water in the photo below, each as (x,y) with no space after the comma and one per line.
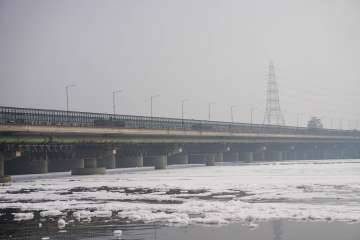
(273,230)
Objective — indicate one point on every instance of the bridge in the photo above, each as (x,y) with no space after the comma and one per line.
(40,140)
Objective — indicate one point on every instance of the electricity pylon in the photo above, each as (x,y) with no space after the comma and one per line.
(273,114)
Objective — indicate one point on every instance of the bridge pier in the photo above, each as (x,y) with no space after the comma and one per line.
(108,159)
(130,160)
(39,162)
(180,158)
(3,177)
(197,158)
(289,155)
(160,162)
(231,156)
(87,166)
(219,157)
(259,156)
(246,156)
(300,155)
(210,159)
(274,156)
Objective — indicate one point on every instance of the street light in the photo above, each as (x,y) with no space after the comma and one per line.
(182,107)
(210,103)
(232,113)
(113,98)
(67,87)
(151,103)
(252,114)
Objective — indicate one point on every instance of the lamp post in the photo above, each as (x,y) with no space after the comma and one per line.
(232,112)
(182,111)
(67,87)
(182,107)
(113,98)
(151,103)
(210,103)
(252,115)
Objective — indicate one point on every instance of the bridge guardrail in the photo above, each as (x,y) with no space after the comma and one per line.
(44,117)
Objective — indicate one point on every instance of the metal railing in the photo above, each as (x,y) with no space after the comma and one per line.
(44,117)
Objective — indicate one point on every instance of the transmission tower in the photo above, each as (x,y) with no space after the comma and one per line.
(273,114)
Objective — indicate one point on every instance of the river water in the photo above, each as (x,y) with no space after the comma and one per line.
(277,200)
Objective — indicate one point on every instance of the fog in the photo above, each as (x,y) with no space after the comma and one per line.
(203,50)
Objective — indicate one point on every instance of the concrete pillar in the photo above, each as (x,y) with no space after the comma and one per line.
(197,158)
(274,156)
(246,156)
(259,156)
(2,166)
(128,161)
(3,178)
(219,157)
(108,160)
(289,155)
(42,165)
(231,156)
(210,159)
(160,162)
(90,163)
(181,158)
(87,166)
(300,155)
(79,163)
(328,154)
(39,163)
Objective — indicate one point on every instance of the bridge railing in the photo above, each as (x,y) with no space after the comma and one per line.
(44,117)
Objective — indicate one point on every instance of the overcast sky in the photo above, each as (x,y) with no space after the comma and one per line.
(202,50)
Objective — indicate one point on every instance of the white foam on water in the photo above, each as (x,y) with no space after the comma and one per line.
(298,190)
(23,216)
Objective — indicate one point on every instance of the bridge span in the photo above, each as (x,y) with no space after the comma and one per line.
(39,140)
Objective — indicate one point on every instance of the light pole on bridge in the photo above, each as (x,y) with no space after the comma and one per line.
(252,114)
(182,111)
(67,87)
(151,103)
(182,107)
(210,104)
(113,98)
(232,112)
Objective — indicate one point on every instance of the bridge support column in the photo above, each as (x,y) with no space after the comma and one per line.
(39,163)
(160,162)
(300,155)
(328,154)
(246,156)
(3,178)
(210,159)
(197,158)
(289,155)
(108,159)
(219,157)
(231,156)
(87,166)
(181,158)
(274,156)
(259,156)
(131,160)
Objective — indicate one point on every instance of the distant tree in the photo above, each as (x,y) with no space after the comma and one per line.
(315,123)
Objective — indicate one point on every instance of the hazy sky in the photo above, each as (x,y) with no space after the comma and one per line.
(203,50)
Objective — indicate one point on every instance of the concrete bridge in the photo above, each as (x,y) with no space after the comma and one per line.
(39,141)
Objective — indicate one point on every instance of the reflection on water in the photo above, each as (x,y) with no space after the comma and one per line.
(277,229)
(273,230)
(32,231)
